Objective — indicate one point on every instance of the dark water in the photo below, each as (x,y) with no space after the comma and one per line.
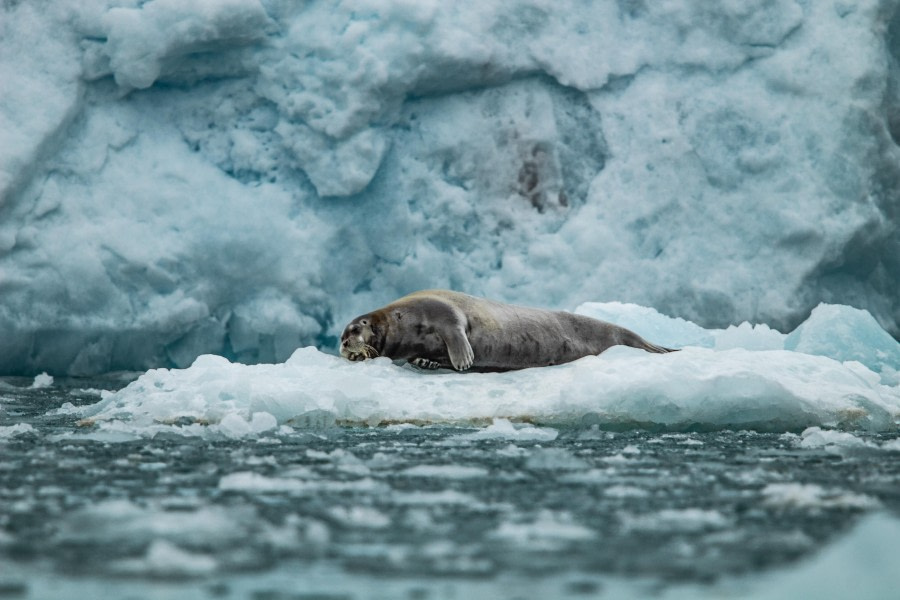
(411,512)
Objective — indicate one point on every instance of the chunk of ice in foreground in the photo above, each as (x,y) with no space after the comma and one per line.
(697,387)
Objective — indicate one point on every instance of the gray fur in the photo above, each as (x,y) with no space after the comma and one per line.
(440,328)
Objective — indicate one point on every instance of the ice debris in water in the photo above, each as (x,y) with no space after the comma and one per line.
(546,532)
(809,495)
(773,389)
(164,559)
(484,145)
(42,381)
(816,437)
(686,520)
(445,471)
(9,431)
(504,429)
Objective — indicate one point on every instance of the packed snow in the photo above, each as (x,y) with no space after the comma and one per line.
(242,177)
(697,387)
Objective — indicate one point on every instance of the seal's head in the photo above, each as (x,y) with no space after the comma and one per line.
(360,338)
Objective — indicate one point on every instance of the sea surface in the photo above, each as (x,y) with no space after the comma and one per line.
(501,510)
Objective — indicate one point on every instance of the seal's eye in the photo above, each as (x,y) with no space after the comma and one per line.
(364,322)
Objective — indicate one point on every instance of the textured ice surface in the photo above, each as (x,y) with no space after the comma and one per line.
(840,332)
(697,387)
(846,333)
(243,177)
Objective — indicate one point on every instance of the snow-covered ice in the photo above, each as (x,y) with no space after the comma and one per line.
(697,387)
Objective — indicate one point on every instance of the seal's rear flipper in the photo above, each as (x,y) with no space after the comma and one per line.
(658,349)
(635,341)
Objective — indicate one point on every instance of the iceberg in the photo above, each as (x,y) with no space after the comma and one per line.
(180,178)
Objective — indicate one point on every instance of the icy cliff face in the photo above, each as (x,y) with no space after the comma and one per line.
(243,177)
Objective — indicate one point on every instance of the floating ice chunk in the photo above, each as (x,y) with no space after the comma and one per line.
(445,471)
(625,491)
(248,481)
(845,333)
(892,445)
(164,559)
(589,476)
(686,520)
(11,431)
(816,437)
(800,495)
(437,498)
(554,459)
(120,522)
(512,451)
(774,390)
(42,381)
(547,531)
(120,537)
(504,429)
(619,459)
(233,425)
(342,460)
(360,516)
(401,427)
(649,324)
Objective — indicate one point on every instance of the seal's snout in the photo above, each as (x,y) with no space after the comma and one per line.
(357,340)
(352,347)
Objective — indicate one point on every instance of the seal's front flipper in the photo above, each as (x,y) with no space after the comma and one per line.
(424,363)
(460,350)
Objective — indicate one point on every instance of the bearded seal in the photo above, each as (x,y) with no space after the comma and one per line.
(443,329)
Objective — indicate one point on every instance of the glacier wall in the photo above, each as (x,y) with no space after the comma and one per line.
(244,176)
